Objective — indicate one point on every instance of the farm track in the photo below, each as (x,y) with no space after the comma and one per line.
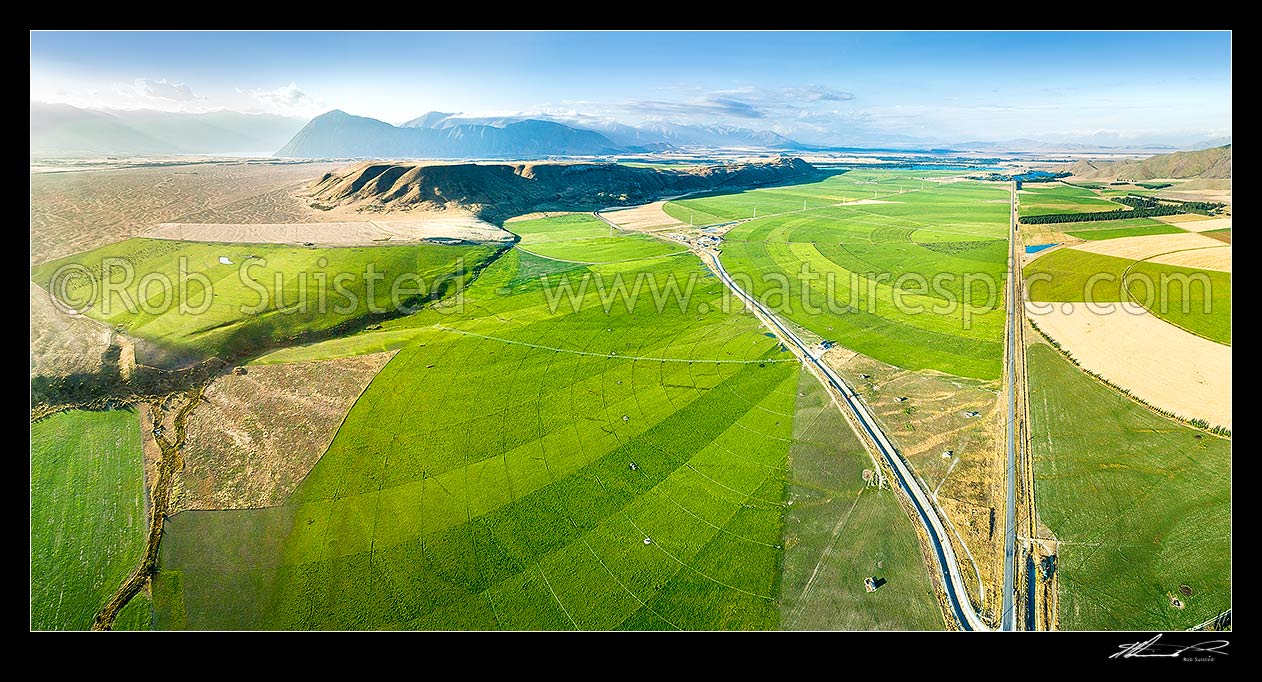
(168,464)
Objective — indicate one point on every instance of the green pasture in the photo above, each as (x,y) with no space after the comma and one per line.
(583,238)
(1140,505)
(157,290)
(1056,197)
(504,470)
(1197,300)
(87,517)
(885,279)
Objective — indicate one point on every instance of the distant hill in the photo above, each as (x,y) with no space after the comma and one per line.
(338,134)
(61,129)
(1209,164)
(498,192)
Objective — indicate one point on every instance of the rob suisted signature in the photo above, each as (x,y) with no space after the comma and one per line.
(1154,649)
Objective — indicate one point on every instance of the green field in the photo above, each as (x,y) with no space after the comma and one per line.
(1111,229)
(485,479)
(1140,504)
(1181,300)
(583,238)
(87,517)
(839,531)
(1058,197)
(267,294)
(870,284)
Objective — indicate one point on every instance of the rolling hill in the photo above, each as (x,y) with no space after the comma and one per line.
(1207,164)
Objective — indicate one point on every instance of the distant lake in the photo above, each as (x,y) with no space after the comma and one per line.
(1035,248)
(954,168)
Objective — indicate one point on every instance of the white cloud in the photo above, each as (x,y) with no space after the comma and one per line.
(287,99)
(164,89)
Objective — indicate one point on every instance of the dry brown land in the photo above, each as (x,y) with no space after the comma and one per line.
(77,211)
(1156,361)
(1147,246)
(62,344)
(1220,236)
(969,484)
(358,233)
(255,436)
(647,217)
(1207,189)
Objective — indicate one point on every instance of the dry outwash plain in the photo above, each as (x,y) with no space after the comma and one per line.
(255,435)
(1156,361)
(356,233)
(73,212)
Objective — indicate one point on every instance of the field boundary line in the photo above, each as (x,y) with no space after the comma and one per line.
(1126,289)
(607,355)
(600,262)
(1177,418)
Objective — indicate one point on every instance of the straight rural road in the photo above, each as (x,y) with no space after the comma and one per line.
(1007,619)
(952,580)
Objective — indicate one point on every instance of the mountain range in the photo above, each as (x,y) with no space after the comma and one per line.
(64,129)
(440,135)
(650,133)
(339,134)
(59,129)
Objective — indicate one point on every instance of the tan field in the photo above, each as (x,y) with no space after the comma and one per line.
(1217,258)
(256,435)
(76,211)
(1204,224)
(648,217)
(358,233)
(1147,246)
(1205,189)
(1156,361)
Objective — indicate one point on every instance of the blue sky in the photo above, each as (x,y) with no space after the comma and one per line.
(848,88)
